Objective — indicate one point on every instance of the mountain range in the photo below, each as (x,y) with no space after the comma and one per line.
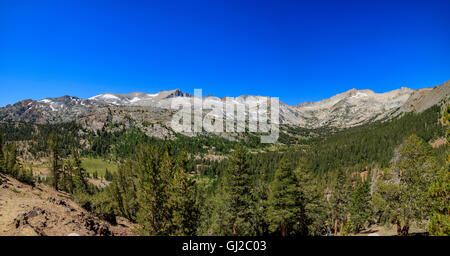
(347,109)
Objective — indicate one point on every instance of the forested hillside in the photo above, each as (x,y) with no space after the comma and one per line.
(314,182)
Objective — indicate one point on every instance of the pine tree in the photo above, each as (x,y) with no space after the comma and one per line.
(124,189)
(11,163)
(235,207)
(67,180)
(55,166)
(440,195)
(360,207)
(182,199)
(260,196)
(285,202)
(218,223)
(80,182)
(446,119)
(340,200)
(439,192)
(314,213)
(2,159)
(154,213)
(239,184)
(305,194)
(402,193)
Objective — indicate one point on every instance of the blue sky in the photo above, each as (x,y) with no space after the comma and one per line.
(298,51)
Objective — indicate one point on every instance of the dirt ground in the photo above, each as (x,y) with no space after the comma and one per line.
(42,211)
(388,231)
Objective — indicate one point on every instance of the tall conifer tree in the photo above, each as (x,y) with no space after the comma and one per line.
(340,200)
(235,202)
(2,157)
(55,167)
(360,207)
(182,199)
(285,200)
(402,193)
(154,214)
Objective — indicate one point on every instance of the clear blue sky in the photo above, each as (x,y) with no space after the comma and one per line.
(298,51)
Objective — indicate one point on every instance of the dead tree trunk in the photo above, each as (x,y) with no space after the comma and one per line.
(283,230)
(342,226)
(335,225)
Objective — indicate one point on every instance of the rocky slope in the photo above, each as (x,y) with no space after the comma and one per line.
(138,98)
(427,97)
(351,108)
(42,211)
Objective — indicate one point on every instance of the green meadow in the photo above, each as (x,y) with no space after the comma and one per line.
(98,165)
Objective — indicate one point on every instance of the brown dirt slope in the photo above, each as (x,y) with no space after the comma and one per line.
(42,211)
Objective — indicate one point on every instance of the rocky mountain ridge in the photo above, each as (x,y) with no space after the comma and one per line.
(347,109)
